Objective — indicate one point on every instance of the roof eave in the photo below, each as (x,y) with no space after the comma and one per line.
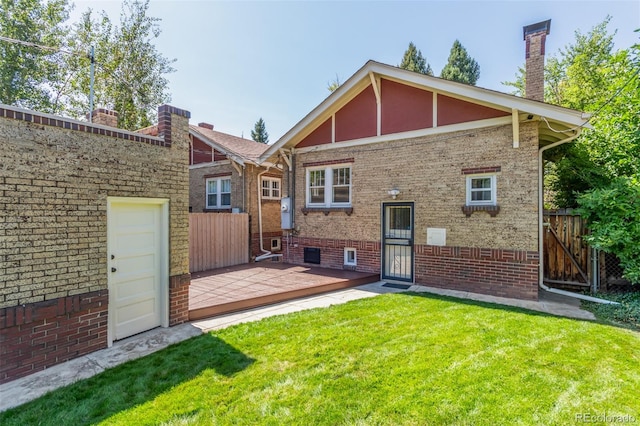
(506,101)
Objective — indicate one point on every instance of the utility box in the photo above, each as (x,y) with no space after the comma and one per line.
(285,213)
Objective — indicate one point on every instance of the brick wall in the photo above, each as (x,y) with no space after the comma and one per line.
(498,272)
(246,201)
(534,64)
(197,185)
(35,336)
(56,175)
(332,252)
(431,172)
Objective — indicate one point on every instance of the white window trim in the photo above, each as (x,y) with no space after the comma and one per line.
(348,250)
(218,204)
(271,189)
(328,185)
(493,201)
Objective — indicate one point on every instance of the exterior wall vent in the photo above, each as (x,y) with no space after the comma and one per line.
(312,255)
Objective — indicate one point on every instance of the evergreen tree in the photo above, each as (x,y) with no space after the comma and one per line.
(414,61)
(461,67)
(259,132)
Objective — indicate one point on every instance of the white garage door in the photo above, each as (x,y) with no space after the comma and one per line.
(135,267)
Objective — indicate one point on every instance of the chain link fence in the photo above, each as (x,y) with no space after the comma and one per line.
(611,274)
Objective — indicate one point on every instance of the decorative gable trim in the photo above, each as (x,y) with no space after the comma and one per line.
(474,125)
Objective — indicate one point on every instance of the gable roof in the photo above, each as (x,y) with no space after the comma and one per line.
(556,122)
(239,149)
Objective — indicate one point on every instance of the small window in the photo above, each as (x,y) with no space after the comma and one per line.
(329,186)
(481,190)
(270,188)
(350,257)
(218,193)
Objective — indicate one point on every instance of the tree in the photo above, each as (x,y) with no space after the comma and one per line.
(130,73)
(461,67)
(28,72)
(600,171)
(259,132)
(613,215)
(414,61)
(588,75)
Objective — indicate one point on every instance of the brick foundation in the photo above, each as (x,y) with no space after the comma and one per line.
(266,242)
(498,272)
(505,273)
(332,252)
(179,299)
(38,335)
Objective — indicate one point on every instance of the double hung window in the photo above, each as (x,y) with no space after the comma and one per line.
(218,193)
(329,186)
(481,190)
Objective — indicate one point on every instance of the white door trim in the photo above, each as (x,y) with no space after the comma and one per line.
(163,203)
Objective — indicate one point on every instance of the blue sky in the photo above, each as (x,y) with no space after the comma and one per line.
(238,61)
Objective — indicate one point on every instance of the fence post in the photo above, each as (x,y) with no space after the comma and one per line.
(595,270)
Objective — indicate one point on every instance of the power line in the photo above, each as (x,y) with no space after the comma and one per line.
(615,95)
(39,46)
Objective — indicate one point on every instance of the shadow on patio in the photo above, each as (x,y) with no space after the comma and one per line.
(240,287)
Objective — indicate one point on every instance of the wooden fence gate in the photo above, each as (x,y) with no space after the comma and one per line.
(217,240)
(567,257)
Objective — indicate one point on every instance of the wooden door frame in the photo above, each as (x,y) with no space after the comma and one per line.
(163,204)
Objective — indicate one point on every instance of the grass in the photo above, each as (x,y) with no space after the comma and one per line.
(393,359)
(626,314)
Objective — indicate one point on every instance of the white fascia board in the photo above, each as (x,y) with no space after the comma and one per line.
(491,122)
(508,102)
(496,99)
(354,81)
(210,164)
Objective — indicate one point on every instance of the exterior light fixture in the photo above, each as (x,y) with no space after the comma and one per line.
(394,193)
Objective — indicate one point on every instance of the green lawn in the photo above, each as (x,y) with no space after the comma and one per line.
(393,359)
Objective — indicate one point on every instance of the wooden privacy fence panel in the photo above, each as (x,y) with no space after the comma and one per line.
(217,240)
(566,254)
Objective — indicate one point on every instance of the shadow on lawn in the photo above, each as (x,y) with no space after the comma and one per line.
(489,305)
(130,384)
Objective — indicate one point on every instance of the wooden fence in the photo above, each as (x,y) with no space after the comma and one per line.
(217,240)
(567,256)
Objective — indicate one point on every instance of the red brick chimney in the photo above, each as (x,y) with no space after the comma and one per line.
(535,36)
(105,117)
(206,126)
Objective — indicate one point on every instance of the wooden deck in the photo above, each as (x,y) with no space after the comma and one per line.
(235,288)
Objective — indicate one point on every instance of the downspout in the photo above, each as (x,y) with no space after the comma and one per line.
(266,254)
(541,229)
(292,194)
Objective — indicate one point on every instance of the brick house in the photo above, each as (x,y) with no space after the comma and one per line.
(224,176)
(93,234)
(423,180)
